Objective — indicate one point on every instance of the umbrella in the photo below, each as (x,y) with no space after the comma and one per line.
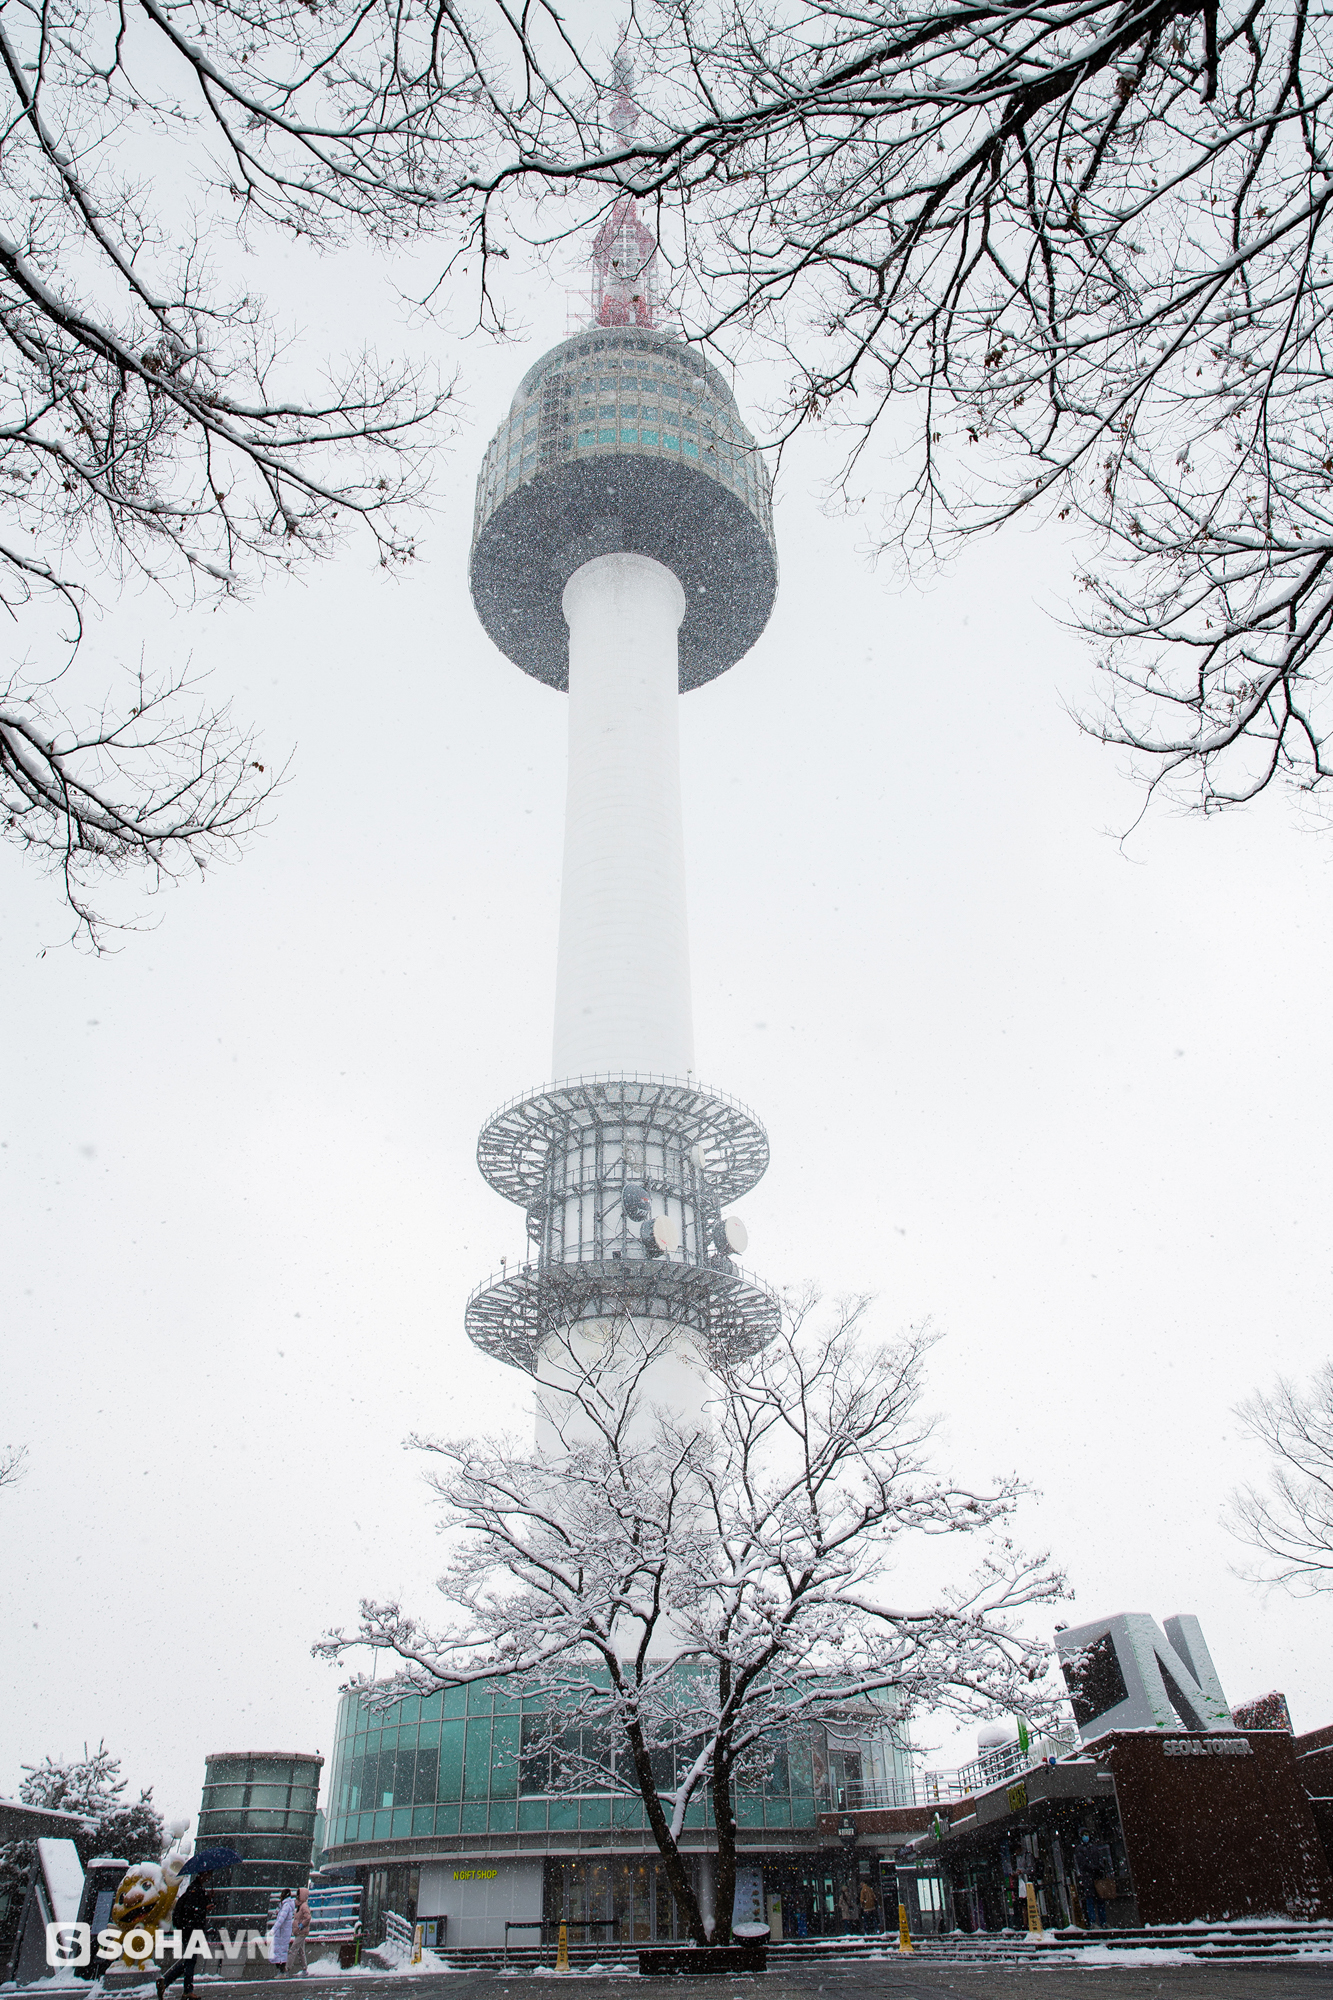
(209,1859)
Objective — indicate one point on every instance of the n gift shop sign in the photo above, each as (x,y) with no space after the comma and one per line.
(475,1874)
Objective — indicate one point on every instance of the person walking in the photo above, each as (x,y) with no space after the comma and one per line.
(869,1909)
(282,1931)
(300,1934)
(1092,1863)
(189,1913)
(845,1910)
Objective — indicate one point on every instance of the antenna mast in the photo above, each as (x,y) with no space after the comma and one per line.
(624,255)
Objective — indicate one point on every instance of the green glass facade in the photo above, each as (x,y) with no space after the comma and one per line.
(455,1764)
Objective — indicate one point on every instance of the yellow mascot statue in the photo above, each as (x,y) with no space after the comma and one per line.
(145,1897)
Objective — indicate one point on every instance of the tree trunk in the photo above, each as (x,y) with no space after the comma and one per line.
(724,1819)
(676,1871)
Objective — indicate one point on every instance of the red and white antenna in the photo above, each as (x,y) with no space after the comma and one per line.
(624,254)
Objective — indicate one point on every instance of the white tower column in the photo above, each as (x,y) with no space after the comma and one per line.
(622,995)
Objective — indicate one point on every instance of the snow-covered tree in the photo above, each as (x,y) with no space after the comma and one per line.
(1288,1521)
(157,426)
(677,1603)
(91,1785)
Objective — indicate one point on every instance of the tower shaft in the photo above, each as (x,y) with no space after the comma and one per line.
(623,976)
(623,548)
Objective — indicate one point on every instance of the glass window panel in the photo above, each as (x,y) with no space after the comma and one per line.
(477,1769)
(451,1760)
(427,1778)
(403,1764)
(535,1757)
(479,1698)
(504,1756)
(476,1817)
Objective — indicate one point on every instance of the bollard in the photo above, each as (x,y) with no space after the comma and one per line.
(904,1935)
(562,1949)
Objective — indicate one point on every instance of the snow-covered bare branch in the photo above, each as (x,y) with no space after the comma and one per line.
(1288,1521)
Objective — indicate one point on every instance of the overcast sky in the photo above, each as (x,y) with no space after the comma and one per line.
(1066,1100)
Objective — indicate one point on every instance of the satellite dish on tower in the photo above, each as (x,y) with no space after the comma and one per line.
(730,1236)
(660,1236)
(634,1200)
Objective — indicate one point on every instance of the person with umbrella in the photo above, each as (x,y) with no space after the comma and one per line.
(190,1913)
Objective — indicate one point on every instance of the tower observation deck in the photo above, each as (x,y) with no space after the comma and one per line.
(623,550)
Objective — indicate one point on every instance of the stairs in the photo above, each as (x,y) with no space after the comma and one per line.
(1238,1943)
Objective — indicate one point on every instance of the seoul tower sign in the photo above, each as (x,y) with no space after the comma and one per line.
(623,550)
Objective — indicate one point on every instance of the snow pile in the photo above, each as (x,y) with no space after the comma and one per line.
(1096,1956)
(329,1968)
(580,1971)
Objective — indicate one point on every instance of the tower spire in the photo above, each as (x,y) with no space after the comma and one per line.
(624,254)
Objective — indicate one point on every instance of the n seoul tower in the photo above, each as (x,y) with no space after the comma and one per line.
(623,550)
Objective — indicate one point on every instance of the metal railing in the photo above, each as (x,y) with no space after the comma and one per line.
(933,1788)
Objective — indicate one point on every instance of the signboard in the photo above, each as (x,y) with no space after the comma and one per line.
(1205,1746)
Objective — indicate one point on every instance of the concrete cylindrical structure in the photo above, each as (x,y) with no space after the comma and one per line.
(262,1803)
(623,975)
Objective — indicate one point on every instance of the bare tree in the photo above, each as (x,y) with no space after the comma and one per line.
(1069,258)
(677,1603)
(13,1464)
(1289,1521)
(153,426)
